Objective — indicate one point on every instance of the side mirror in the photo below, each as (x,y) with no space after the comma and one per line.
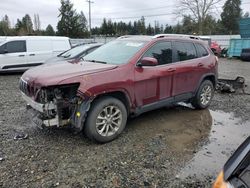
(148,61)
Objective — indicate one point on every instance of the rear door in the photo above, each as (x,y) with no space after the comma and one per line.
(154,83)
(38,51)
(186,77)
(13,54)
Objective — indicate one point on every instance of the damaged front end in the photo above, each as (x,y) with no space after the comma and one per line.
(56,105)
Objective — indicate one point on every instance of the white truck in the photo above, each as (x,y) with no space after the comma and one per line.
(22,52)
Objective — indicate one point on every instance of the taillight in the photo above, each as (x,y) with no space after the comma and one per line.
(220,182)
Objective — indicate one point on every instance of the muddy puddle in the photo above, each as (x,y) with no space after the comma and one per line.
(178,127)
(226,134)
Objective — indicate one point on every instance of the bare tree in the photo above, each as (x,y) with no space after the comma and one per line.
(37,23)
(198,10)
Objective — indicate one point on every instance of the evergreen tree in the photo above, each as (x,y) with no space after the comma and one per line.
(82,21)
(49,31)
(24,26)
(5,26)
(150,30)
(71,24)
(104,27)
(27,24)
(168,29)
(231,15)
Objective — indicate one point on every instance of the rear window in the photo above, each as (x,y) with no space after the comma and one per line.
(15,46)
(202,51)
(185,51)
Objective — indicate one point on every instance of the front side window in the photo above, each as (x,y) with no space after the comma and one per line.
(161,51)
(185,51)
(116,52)
(15,46)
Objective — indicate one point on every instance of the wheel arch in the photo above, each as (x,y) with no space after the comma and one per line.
(118,94)
(210,77)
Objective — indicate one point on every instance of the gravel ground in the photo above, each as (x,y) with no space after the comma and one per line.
(151,152)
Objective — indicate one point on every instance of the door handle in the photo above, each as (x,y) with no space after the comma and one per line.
(200,65)
(171,70)
(32,54)
(21,55)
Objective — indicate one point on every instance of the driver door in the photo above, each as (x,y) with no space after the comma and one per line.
(154,83)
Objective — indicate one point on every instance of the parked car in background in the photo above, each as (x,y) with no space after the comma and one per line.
(21,53)
(236,171)
(245,54)
(125,77)
(215,47)
(75,53)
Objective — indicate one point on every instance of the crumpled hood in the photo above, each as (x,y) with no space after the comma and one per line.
(54,73)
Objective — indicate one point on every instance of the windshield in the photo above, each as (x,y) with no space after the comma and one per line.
(75,51)
(116,52)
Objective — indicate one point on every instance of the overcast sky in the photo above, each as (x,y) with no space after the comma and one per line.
(125,10)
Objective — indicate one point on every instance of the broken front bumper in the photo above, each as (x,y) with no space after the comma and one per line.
(39,110)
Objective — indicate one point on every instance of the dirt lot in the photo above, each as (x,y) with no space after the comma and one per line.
(163,148)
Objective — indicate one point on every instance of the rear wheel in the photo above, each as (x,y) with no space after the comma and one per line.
(106,119)
(204,95)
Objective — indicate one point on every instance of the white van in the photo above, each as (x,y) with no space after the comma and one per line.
(21,53)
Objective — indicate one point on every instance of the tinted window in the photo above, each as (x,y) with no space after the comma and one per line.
(15,46)
(2,49)
(185,51)
(201,50)
(162,52)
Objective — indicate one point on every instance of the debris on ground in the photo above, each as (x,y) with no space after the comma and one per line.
(231,86)
(21,136)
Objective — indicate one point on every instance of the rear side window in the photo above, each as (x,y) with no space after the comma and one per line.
(202,51)
(185,51)
(15,46)
(161,51)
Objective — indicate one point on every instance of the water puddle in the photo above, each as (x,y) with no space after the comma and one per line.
(227,133)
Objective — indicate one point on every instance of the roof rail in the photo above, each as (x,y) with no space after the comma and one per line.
(176,35)
(125,36)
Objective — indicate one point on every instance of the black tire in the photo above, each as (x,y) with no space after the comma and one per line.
(198,101)
(97,115)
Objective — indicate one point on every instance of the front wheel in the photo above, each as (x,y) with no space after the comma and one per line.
(106,119)
(204,95)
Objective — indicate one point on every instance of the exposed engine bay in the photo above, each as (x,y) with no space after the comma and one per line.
(56,105)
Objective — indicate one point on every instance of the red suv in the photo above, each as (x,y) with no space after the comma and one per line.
(125,77)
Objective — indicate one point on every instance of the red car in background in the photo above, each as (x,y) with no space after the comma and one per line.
(215,47)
